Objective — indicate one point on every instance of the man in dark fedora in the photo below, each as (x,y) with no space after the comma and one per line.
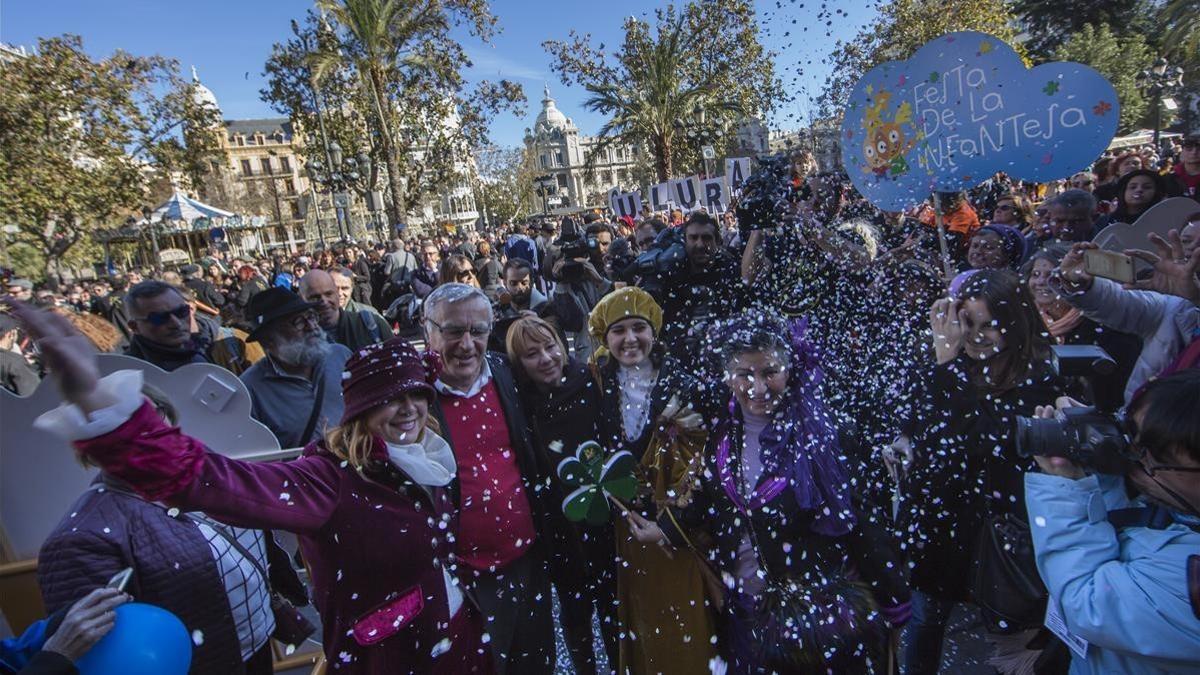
(296,391)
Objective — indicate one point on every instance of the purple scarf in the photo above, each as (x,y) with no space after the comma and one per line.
(799,447)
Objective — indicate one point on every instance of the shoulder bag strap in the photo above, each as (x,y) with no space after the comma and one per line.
(311,425)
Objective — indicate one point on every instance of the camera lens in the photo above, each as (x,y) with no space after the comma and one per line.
(1048,438)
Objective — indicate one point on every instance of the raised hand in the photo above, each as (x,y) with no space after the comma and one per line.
(69,356)
(947,329)
(1174,271)
(1072,270)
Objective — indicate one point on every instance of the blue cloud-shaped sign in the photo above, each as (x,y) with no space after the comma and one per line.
(964,107)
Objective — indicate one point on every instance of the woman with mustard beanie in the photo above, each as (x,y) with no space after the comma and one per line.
(667,596)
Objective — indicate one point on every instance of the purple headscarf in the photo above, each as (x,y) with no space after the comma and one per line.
(799,448)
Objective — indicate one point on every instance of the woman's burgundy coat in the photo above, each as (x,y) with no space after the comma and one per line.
(372,540)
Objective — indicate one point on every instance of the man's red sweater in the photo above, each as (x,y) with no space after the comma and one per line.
(495,521)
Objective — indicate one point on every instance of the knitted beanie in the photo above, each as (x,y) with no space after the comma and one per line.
(383,371)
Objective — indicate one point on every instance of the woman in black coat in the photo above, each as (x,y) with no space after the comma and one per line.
(992,366)
(561,402)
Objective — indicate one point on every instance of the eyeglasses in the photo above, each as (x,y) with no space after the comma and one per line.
(464,275)
(1081,183)
(456,333)
(161,318)
(1005,207)
(302,321)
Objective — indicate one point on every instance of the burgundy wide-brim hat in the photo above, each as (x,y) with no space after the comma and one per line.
(383,371)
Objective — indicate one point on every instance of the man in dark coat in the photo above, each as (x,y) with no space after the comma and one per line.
(508,507)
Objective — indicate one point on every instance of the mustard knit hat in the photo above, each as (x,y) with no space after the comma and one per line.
(621,304)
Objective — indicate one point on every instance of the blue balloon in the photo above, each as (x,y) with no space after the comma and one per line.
(964,107)
(146,640)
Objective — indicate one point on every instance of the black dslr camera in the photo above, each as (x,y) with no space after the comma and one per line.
(767,195)
(1088,436)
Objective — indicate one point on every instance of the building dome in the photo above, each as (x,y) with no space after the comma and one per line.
(202,95)
(551,117)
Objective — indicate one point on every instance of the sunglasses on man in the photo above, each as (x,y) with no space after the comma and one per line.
(181,312)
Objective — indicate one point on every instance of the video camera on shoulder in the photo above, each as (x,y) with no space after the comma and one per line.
(662,265)
(1090,436)
(767,195)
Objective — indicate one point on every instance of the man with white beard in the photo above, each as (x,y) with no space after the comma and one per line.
(296,391)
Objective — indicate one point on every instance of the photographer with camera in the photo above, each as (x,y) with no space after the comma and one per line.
(577,275)
(695,280)
(1123,573)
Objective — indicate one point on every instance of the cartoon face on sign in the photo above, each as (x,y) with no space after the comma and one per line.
(886,142)
(965,107)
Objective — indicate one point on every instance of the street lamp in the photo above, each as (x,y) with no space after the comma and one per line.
(343,173)
(1157,81)
(148,225)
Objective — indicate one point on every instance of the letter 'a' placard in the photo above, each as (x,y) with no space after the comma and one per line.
(736,171)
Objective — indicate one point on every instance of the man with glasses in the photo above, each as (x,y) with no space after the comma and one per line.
(509,508)
(1184,181)
(1122,572)
(296,390)
(1073,216)
(159,321)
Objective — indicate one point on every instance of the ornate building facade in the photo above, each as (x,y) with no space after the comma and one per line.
(560,151)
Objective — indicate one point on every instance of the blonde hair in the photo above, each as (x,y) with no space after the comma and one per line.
(526,331)
(353,442)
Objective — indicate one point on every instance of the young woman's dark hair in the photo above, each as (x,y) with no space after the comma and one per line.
(1170,425)
(1012,308)
(1160,190)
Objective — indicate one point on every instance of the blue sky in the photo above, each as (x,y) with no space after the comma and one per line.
(228,42)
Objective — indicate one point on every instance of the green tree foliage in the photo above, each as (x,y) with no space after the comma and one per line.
(506,183)
(81,138)
(1179,24)
(394,69)
(1051,23)
(1118,59)
(899,30)
(703,57)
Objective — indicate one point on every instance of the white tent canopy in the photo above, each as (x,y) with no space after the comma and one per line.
(182,207)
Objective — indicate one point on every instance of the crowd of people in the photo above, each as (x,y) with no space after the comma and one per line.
(840,434)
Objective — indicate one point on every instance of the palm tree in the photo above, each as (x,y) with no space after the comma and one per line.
(382,41)
(1181,18)
(656,98)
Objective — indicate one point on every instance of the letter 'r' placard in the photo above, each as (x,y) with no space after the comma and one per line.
(964,107)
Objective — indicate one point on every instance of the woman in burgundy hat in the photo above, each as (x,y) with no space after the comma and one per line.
(372,503)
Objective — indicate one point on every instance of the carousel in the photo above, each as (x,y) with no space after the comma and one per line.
(181,230)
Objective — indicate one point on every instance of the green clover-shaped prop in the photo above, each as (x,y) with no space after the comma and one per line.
(596,477)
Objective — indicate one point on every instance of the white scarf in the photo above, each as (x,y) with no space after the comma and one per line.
(429,461)
(637,385)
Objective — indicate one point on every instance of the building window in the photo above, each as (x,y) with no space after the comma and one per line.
(290,186)
(246,169)
(558,158)
(266,166)
(562,180)
(295,210)
(285,164)
(545,164)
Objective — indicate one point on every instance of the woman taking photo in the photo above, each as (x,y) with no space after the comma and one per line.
(562,402)
(992,365)
(775,487)
(664,592)
(371,503)
(1068,326)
